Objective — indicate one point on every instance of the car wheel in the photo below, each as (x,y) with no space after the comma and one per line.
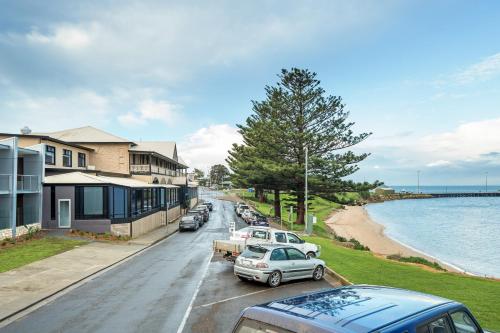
(274,279)
(311,254)
(318,273)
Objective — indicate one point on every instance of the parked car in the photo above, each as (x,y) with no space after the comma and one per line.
(198,213)
(273,264)
(209,205)
(361,308)
(275,236)
(237,204)
(204,210)
(246,215)
(189,222)
(259,220)
(241,208)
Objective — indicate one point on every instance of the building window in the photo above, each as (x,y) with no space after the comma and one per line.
(82,160)
(91,202)
(67,158)
(50,155)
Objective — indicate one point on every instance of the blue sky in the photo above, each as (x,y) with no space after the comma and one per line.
(423,76)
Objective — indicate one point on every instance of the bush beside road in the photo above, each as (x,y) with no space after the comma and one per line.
(479,294)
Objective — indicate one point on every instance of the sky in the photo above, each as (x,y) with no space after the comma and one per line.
(422,76)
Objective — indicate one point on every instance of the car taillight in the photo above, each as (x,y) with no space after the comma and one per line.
(262,265)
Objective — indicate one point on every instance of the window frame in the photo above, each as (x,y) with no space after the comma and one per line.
(80,155)
(80,204)
(295,249)
(471,317)
(284,234)
(47,147)
(65,154)
(293,235)
(284,251)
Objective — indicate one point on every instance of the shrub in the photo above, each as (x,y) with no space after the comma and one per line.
(358,245)
(32,231)
(416,260)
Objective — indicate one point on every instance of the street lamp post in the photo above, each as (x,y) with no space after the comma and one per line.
(306,194)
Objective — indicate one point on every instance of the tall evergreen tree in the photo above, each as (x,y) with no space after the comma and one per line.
(297,113)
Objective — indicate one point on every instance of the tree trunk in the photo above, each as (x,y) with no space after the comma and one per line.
(300,208)
(277,204)
(256,192)
(262,196)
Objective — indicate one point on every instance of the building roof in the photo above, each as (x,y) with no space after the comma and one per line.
(359,308)
(76,178)
(166,149)
(86,134)
(46,137)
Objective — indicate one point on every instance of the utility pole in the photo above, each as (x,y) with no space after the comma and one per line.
(306,194)
(418,181)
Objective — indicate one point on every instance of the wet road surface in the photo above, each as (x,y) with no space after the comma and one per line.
(153,291)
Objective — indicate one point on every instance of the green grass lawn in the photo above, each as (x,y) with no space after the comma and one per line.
(320,207)
(33,250)
(482,296)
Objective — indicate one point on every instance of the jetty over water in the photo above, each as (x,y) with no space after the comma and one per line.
(463,194)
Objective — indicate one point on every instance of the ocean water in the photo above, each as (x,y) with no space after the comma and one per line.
(464,232)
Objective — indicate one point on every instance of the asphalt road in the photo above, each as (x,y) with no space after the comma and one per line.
(154,291)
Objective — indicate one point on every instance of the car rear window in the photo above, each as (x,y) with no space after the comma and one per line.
(254,252)
(253,326)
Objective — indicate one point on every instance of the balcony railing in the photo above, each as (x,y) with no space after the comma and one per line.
(139,168)
(28,183)
(5,183)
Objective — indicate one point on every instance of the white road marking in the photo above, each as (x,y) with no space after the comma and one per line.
(245,295)
(190,307)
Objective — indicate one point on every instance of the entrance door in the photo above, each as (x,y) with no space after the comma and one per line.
(64,213)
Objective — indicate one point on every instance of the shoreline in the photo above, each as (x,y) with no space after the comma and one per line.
(355,222)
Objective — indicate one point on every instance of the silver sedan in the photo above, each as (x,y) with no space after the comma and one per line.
(273,264)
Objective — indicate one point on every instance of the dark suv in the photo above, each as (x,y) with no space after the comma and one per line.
(357,309)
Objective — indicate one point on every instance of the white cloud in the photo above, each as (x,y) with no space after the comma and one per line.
(150,110)
(438,163)
(480,71)
(73,109)
(209,145)
(66,36)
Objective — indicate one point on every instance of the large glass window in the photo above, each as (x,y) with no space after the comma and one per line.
(93,201)
(50,155)
(119,203)
(82,160)
(67,157)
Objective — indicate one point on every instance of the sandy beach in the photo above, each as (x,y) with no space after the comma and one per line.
(354,222)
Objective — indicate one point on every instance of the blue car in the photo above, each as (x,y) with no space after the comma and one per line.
(357,309)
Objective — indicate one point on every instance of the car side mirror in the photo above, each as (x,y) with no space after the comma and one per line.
(308,258)
(302,241)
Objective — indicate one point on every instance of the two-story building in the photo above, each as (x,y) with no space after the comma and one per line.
(21,176)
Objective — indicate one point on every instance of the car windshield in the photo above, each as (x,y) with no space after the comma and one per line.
(244,207)
(254,252)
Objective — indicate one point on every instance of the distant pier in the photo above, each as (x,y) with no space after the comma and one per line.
(460,195)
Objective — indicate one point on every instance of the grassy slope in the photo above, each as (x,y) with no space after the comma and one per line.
(320,207)
(480,295)
(37,249)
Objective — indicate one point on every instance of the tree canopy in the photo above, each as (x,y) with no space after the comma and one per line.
(297,113)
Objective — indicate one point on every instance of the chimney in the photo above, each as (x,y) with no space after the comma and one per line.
(25,130)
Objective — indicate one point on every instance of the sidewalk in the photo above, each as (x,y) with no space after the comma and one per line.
(29,284)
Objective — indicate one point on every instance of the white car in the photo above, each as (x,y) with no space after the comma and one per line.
(275,263)
(247,215)
(241,208)
(276,236)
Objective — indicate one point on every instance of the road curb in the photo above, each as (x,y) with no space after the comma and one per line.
(84,278)
(337,276)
